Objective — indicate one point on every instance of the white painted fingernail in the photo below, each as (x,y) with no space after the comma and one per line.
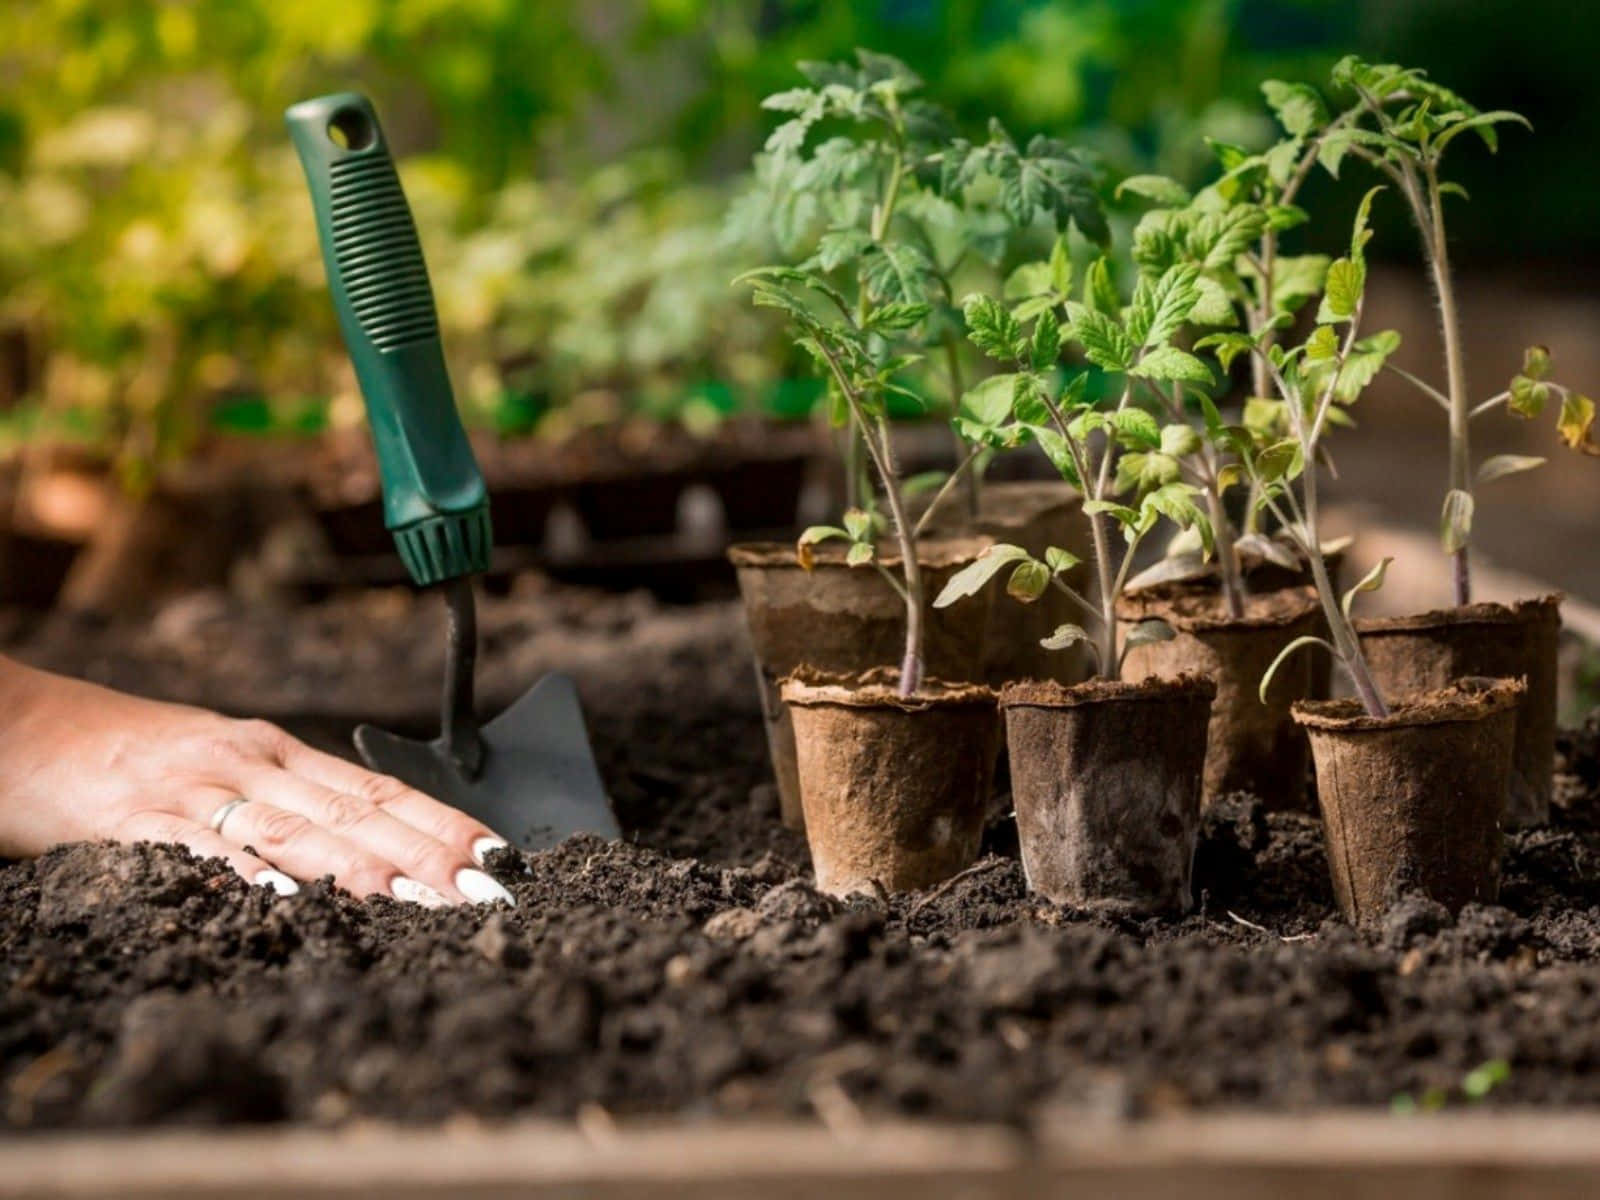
(277,881)
(481,848)
(413,892)
(480,888)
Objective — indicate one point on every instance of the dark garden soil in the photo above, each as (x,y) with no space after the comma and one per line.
(691,970)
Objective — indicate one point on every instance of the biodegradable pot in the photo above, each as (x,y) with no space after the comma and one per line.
(1251,746)
(1412,801)
(1429,651)
(1105,776)
(895,789)
(843,620)
(1035,515)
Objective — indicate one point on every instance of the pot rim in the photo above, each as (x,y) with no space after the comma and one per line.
(1036,693)
(1486,612)
(1158,602)
(876,688)
(931,552)
(1467,700)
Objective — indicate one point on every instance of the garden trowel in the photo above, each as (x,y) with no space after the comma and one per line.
(530,773)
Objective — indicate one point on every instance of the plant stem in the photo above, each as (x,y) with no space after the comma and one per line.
(952,361)
(911,666)
(1227,556)
(1110,664)
(944,490)
(1460,403)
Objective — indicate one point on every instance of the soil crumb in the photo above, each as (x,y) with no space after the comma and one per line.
(692,970)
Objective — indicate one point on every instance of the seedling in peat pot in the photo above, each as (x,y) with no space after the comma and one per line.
(1092,832)
(893,205)
(1402,124)
(1410,796)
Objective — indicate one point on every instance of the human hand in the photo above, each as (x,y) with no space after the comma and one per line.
(80,762)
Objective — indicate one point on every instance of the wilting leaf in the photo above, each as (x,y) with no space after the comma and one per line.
(804,553)
(1370,582)
(1577,418)
(1064,636)
(1501,465)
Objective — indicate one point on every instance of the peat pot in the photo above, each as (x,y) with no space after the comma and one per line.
(1519,641)
(1251,746)
(843,620)
(1412,802)
(895,789)
(1034,515)
(1105,776)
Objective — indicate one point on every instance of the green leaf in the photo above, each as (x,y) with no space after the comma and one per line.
(1323,344)
(1370,582)
(1501,465)
(993,329)
(840,246)
(1485,124)
(1172,365)
(1455,520)
(859,554)
(1121,513)
(1105,343)
(1061,266)
(1060,561)
(1027,281)
(922,483)
(1536,362)
(1029,581)
(1046,341)
(1179,440)
(1164,191)
(1226,346)
(1297,278)
(985,408)
(1214,306)
(1099,292)
(895,316)
(1298,107)
(1528,396)
(858,523)
(1135,427)
(1297,644)
(970,580)
(1141,472)
(1165,304)
(1065,636)
(1576,419)
(803,551)
(1282,460)
(1360,234)
(1347,279)
(1175,501)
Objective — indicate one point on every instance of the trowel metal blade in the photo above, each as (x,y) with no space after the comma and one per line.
(539,783)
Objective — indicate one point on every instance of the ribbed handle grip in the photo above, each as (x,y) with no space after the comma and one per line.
(433,494)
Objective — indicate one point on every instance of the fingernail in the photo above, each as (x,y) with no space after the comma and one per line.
(413,892)
(480,888)
(481,848)
(277,881)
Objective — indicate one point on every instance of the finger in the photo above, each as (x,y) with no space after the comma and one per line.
(307,851)
(439,821)
(153,826)
(373,828)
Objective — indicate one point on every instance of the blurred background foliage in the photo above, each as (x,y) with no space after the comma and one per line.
(571,161)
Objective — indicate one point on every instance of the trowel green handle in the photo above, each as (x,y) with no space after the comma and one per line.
(434,500)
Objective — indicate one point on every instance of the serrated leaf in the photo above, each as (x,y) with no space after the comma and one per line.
(993,329)
(1370,582)
(1136,427)
(1065,636)
(1163,190)
(1213,306)
(1322,344)
(1028,280)
(1029,581)
(1141,471)
(1347,279)
(1455,520)
(972,578)
(1172,365)
(1297,278)
(1299,108)
(1046,347)
(1501,465)
(1167,304)
(1105,343)
(1226,346)
(1099,292)
(1485,124)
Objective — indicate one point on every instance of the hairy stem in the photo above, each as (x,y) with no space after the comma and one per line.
(911,666)
(1227,556)
(952,362)
(1455,368)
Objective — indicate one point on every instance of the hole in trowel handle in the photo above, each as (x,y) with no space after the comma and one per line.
(351,129)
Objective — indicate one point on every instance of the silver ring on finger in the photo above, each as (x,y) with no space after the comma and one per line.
(223,812)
